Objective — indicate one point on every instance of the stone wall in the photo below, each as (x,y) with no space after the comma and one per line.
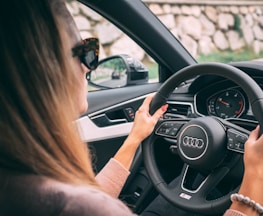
(201,28)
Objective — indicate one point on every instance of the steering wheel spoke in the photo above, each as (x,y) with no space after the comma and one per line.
(198,185)
(195,186)
(211,181)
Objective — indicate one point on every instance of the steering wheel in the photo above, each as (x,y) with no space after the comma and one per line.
(202,143)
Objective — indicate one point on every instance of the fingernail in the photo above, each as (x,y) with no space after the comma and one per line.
(164,107)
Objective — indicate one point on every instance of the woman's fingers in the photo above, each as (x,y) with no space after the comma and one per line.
(146,107)
(146,103)
(254,135)
(159,113)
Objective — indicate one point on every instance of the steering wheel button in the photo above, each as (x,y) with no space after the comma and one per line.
(173,132)
(167,131)
(230,139)
(241,138)
(230,145)
(172,124)
(231,133)
(173,149)
(175,129)
(239,146)
(166,124)
(161,130)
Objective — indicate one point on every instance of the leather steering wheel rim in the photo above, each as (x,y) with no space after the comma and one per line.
(255,96)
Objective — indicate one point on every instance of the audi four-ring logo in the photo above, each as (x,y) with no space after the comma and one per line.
(193,142)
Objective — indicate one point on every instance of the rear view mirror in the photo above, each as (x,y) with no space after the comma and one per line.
(118,71)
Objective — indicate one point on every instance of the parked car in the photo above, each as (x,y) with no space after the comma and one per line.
(200,141)
(116,74)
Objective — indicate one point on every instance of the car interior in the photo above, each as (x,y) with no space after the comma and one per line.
(200,140)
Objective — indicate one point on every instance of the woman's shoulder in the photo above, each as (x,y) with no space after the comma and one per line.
(24,194)
(35,195)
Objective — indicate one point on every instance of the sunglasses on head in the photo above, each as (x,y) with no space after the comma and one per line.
(88,52)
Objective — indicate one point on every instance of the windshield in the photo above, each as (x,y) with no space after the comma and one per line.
(221,31)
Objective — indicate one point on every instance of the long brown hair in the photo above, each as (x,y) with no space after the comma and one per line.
(37,88)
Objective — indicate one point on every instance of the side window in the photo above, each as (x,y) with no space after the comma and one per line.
(215,31)
(122,61)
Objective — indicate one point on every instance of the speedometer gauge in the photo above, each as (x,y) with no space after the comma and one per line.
(227,104)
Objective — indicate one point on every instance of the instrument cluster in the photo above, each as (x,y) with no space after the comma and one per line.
(227,102)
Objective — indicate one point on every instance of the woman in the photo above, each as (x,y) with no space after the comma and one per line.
(45,167)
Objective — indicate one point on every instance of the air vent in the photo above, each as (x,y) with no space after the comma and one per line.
(178,111)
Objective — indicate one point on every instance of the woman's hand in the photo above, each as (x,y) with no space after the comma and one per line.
(252,183)
(254,153)
(143,126)
(144,122)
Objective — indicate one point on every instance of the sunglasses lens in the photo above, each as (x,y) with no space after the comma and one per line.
(91,53)
(90,59)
